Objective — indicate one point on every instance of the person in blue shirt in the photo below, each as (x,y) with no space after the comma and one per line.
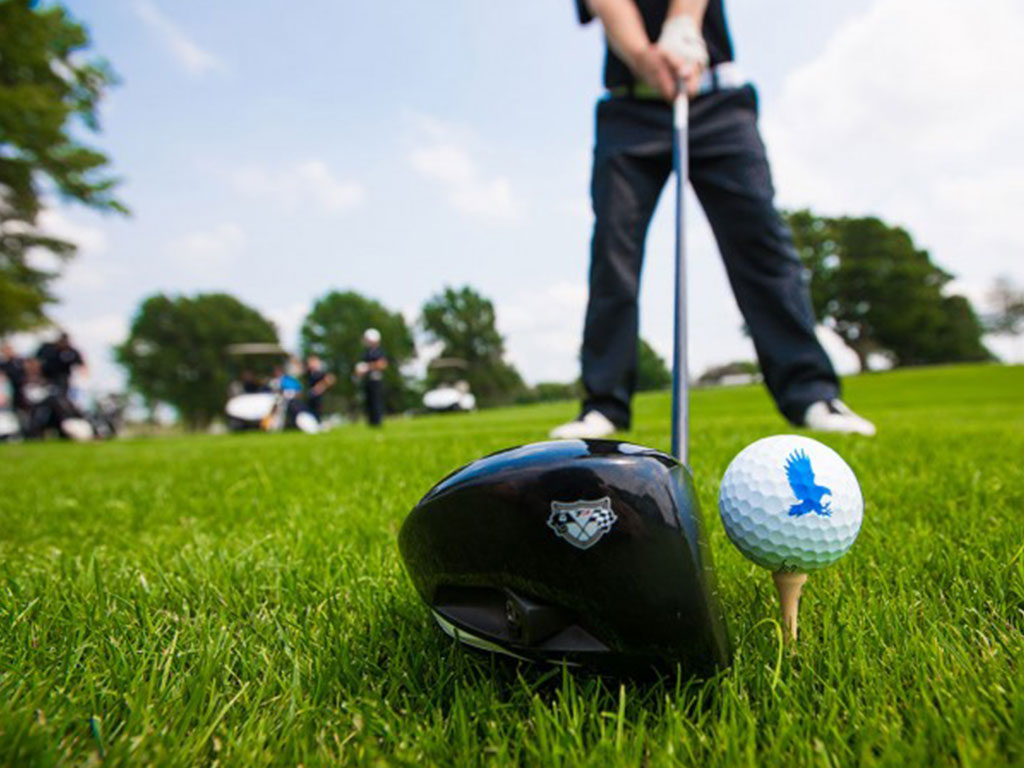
(286,381)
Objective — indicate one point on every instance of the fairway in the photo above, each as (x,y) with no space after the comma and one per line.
(240,600)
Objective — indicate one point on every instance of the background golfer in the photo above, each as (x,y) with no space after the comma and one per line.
(58,360)
(371,370)
(318,381)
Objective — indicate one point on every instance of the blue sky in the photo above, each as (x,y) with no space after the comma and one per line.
(277,151)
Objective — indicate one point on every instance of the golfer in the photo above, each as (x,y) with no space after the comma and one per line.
(58,360)
(13,367)
(318,381)
(652,45)
(371,370)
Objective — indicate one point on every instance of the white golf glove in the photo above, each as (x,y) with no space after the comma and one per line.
(680,36)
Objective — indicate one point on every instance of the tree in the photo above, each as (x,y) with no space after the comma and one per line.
(651,371)
(47,89)
(464,323)
(176,351)
(1007,316)
(881,293)
(333,329)
(738,370)
(549,391)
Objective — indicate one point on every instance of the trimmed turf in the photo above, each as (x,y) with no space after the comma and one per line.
(240,600)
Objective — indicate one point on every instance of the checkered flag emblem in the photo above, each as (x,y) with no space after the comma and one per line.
(582,523)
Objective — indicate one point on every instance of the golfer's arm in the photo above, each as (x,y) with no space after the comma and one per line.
(693,8)
(324,384)
(623,26)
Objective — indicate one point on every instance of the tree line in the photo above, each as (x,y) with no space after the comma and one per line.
(177,349)
(880,292)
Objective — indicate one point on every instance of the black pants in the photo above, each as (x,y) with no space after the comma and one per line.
(374,391)
(292,409)
(47,415)
(730,174)
(315,405)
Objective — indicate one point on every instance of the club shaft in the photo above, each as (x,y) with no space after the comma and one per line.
(680,363)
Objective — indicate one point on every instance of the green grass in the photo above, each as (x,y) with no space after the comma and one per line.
(239,600)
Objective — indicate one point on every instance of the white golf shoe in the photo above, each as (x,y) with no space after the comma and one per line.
(590,426)
(836,416)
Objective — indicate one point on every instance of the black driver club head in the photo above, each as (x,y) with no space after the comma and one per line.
(588,552)
(581,551)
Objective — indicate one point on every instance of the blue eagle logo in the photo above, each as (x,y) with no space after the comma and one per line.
(811,495)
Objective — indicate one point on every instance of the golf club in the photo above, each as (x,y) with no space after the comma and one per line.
(680,362)
(587,552)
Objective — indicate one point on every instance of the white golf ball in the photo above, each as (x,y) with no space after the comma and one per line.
(790,503)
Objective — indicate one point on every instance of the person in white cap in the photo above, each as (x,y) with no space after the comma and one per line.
(371,370)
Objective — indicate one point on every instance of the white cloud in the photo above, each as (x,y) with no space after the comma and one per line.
(1008,348)
(96,336)
(543,329)
(301,186)
(207,253)
(105,329)
(288,320)
(81,272)
(53,223)
(88,271)
(84,275)
(580,209)
(911,113)
(195,60)
(90,240)
(445,154)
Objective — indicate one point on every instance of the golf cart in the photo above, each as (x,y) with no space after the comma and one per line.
(10,429)
(10,426)
(452,391)
(264,402)
(51,411)
(106,415)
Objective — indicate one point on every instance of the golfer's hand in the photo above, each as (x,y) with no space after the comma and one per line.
(689,73)
(659,69)
(362,368)
(684,46)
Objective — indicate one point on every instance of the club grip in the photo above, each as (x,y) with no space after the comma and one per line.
(681,107)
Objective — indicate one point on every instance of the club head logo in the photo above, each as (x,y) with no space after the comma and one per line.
(582,523)
(811,497)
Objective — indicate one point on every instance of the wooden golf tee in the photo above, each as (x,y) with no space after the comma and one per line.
(789,584)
